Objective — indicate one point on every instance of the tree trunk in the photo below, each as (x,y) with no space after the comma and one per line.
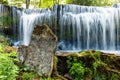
(1,1)
(27,4)
(58,1)
(39,3)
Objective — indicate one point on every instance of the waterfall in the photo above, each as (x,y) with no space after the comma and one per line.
(30,18)
(88,27)
(116,5)
(77,27)
(9,21)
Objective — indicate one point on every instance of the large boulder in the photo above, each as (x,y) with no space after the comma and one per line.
(38,56)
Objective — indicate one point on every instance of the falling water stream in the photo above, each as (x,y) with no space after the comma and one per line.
(9,21)
(29,19)
(79,27)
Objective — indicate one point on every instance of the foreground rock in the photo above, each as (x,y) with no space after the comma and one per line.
(38,56)
(89,65)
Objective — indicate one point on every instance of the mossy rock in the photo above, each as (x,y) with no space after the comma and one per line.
(99,65)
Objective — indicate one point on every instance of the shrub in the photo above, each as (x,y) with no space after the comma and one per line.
(29,76)
(8,70)
(77,69)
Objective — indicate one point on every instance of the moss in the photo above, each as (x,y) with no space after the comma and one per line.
(97,66)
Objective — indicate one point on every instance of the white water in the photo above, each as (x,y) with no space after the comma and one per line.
(31,18)
(77,27)
(9,21)
(81,27)
(2,9)
(89,28)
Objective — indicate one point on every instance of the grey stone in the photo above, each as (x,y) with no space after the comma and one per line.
(38,56)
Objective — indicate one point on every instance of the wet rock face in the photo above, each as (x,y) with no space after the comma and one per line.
(38,56)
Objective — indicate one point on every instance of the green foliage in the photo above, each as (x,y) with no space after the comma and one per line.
(4,2)
(8,70)
(50,3)
(68,1)
(13,56)
(4,45)
(32,75)
(47,3)
(3,42)
(29,76)
(95,66)
(115,77)
(89,64)
(77,68)
(45,79)
(17,3)
(93,2)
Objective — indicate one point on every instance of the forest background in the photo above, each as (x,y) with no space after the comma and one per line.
(50,3)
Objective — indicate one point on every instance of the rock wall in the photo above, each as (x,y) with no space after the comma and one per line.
(38,56)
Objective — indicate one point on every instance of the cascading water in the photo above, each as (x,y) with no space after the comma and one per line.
(9,21)
(77,27)
(89,28)
(32,17)
(1,10)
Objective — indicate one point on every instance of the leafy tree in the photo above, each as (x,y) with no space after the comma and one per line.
(93,2)
(47,3)
(3,1)
(50,3)
(17,3)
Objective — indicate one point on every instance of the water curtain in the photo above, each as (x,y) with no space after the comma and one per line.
(77,27)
